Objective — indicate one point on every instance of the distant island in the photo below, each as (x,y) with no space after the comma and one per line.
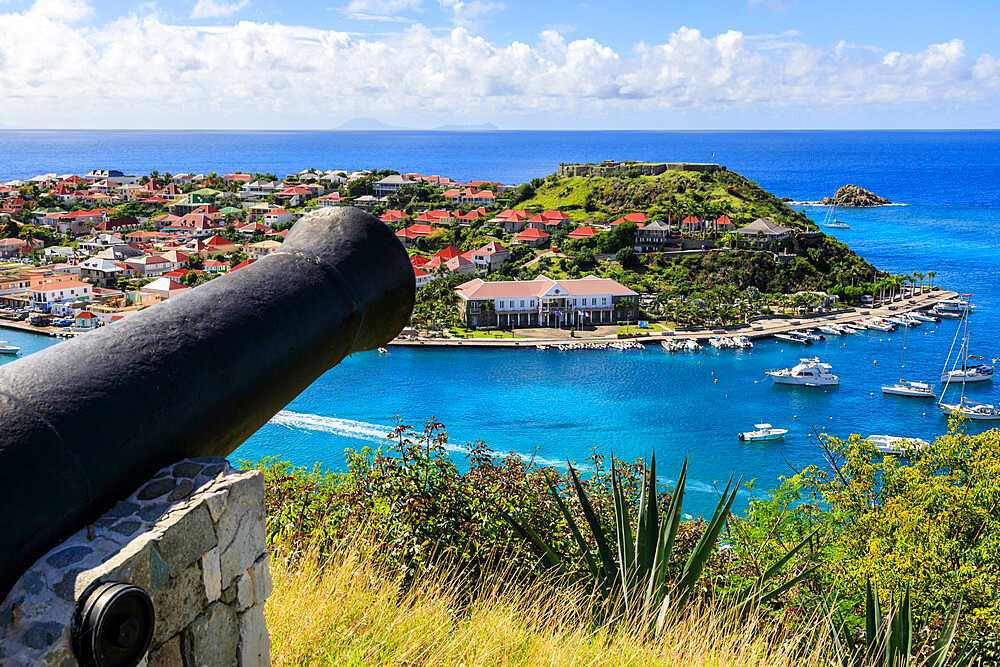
(856,197)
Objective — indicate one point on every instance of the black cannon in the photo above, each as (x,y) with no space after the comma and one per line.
(85,422)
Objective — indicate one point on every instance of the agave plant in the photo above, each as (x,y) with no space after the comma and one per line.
(633,579)
(889,639)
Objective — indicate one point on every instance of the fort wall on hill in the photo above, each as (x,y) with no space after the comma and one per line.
(616,168)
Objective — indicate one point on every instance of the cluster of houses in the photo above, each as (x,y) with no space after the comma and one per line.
(209,218)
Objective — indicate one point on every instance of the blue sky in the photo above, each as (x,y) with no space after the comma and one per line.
(732,64)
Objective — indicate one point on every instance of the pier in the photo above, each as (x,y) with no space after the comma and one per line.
(759,329)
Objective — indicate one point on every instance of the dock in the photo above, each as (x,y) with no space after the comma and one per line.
(54,332)
(755,330)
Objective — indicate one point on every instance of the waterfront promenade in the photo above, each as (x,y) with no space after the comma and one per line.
(758,329)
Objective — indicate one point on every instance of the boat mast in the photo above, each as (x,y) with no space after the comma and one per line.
(902,354)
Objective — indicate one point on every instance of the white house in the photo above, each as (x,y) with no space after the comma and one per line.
(546,302)
(45,295)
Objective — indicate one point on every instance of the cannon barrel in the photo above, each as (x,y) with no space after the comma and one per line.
(85,422)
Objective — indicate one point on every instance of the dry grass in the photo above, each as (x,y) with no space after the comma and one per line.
(347,613)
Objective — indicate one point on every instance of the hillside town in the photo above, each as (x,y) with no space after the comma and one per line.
(83,251)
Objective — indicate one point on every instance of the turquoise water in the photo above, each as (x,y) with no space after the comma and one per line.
(557,405)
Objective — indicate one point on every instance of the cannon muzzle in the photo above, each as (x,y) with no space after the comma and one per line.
(85,422)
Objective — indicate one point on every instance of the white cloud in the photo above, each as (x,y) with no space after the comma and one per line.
(140,71)
(210,9)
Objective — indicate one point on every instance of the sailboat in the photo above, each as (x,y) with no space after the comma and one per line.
(831,219)
(966,407)
(908,387)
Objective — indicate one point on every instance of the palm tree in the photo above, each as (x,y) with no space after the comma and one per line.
(931,275)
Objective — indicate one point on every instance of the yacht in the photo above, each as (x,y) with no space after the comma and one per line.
(909,388)
(881,325)
(829,330)
(896,444)
(788,338)
(971,409)
(924,317)
(7,348)
(808,373)
(966,374)
(808,333)
(958,305)
(763,432)
(976,373)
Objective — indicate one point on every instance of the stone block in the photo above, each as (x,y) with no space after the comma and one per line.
(186,538)
(216,503)
(255,645)
(246,493)
(211,571)
(254,585)
(178,603)
(213,637)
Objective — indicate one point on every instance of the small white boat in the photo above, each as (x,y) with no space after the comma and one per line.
(947,314)
(798,340)
(924,317)
(829,330)
(743,342)
(909,388)
(896,444)
(971,409)
(837,225)
(382,350)
(541,347)
(846,329)
(807,373)
(880,325)
(763,432)
(7,348)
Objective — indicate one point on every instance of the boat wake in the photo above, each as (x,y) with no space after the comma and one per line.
(347,428)
(358,430)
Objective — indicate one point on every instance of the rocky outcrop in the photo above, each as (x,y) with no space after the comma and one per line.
(852,195)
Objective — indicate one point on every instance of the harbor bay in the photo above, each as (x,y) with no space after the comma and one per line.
(555,406)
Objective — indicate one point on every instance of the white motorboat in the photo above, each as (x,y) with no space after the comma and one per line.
(807,373)
(692,344)
(743,342)
(7,348)
(924,317)
(971,409)
(382,350)
(806,333)
(763,432)
(798,340)
(541,347)
(880,325)
(958,305)
(896,444)
(846,329)
(829,330)
(909,388)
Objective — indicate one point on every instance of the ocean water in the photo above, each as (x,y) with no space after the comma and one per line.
(557,406)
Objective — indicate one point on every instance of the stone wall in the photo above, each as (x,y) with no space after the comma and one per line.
(193,538)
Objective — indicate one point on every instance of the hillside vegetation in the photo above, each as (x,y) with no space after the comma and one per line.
(407,558)
(672,193)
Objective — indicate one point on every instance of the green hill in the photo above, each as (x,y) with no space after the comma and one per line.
(672,193)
